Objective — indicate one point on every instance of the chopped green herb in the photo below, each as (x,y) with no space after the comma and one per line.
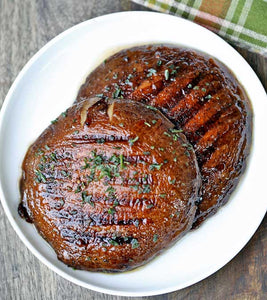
(113,243)
(166,133)
(40,176)
(115,76)
(41,167)
(47,148)
(146,153)
(155,166)
(64,173)
(115,203)
(196,87)
(150,206)
(88,258)
(64,114)
(111,211)
(99,95)
(134,243)
(104,171)
(147,124)
(117,148)
(87,198)
(39,152)
(122,165)
(110,190)
(152,147)
(135,187)
(53,156)
(187,153)
(155,238)
(167,74)
(76,132)
(78,189)
(132,141)
(172,181)
(208,97)
(86,164)
(54,121)
(161,149)
(154,121)
(162,195)
(115,159)
(175,159)
(146,189)
(136,223)
(176,130)
(159,63)
(203,90)
(189,147)
(189,86)
(117,92)
(151,72)
(152,108)
(100,141)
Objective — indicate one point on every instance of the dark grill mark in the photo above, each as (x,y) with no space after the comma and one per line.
(174,91)
(100,139)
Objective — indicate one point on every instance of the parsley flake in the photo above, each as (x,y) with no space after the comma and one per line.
(155,238)
(134,243)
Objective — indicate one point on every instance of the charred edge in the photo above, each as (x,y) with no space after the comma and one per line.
(205,154)
(195,136)
(186,115)
(22,211)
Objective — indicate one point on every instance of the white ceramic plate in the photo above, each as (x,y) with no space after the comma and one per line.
(48,84)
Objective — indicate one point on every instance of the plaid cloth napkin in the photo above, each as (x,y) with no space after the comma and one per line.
(242,22)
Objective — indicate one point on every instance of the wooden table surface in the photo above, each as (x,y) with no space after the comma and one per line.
(26,26)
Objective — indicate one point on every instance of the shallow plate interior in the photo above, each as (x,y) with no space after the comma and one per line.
(49,83)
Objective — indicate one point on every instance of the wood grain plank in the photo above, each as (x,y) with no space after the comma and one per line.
(25,26)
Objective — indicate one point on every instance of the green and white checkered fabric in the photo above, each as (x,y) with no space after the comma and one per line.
(242,22)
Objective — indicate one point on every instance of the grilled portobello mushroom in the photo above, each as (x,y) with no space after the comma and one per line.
(110,184)
(200,96)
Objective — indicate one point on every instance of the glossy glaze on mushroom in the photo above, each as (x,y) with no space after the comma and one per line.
(201,97)
(110,184)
